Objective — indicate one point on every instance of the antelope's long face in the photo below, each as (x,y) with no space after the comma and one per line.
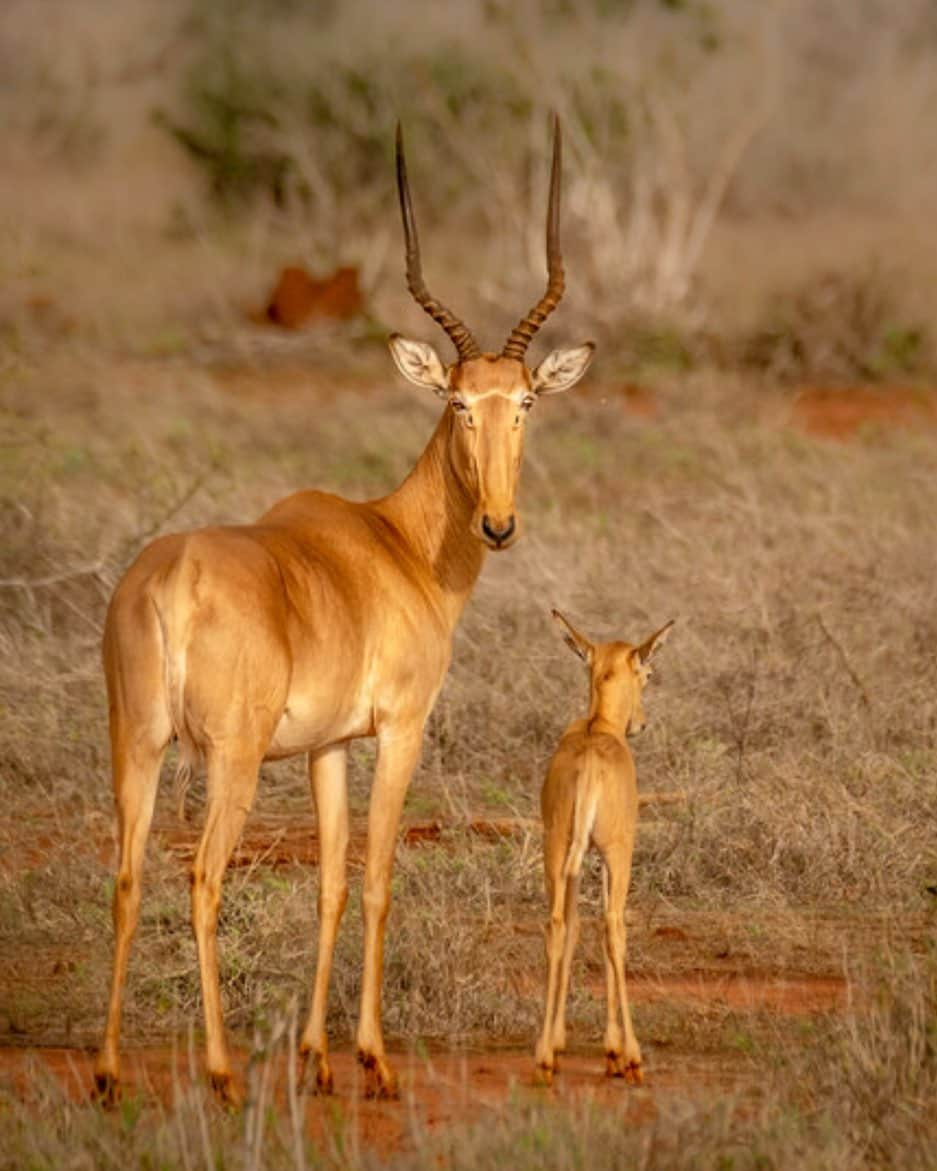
(489,395)
(619,672)
(489,398)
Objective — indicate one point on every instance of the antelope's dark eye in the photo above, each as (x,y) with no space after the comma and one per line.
(458,406)
(527,402)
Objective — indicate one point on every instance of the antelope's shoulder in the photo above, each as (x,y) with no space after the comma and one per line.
(585,737)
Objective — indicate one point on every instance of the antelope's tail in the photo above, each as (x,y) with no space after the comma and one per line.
(587,802)
(173,615)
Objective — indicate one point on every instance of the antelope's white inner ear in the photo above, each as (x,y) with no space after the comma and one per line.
(655,642)
(576,642)
(562,369)
(419,363)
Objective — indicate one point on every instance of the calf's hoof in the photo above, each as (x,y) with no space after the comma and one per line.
(543,1074)
(618,1065)
(106,1090)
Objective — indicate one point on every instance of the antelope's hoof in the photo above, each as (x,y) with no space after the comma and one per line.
(380,1081)
(634,1074)
(618,1065)
(324,1082)
(106,1090)
(543,1074)
(226,1092)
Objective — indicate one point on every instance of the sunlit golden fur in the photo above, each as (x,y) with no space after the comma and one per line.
(324,621)
(590,794)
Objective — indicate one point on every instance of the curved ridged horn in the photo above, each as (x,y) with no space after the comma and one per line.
(523,332)
(462,339)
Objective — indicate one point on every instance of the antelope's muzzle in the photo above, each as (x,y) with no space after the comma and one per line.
(497,531)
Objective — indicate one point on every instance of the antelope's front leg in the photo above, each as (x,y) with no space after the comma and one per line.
(397,756)
(329,791)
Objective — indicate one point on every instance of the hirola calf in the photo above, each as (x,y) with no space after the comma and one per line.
(590,795)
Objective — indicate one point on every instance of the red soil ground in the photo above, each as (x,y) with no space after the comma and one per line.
(268,841)
(437,1090)
(442,1088)
(844,412)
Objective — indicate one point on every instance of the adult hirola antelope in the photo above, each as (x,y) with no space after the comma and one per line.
(590,794)
(325,620)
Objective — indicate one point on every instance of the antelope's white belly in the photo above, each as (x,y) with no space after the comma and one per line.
(312,721)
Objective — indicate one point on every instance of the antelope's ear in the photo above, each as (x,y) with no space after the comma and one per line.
(651,645)
(562,369)
(577,643)
(419,363)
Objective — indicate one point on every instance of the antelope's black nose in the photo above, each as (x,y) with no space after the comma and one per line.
(497,532)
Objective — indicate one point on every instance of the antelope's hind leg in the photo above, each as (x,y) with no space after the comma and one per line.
(327,771)
(559,944)
(139,733)
(136,778)
(622,1054)
(569,948)
(231,784)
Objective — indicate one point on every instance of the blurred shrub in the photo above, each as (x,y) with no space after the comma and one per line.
(301,111)
(838,326)
(231,132)
(673,112)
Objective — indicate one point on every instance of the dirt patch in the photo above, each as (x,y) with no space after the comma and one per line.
(733,991)
(266,841)
(843,412)
(270,841)
(300,299)
(745,991)
(438,1090)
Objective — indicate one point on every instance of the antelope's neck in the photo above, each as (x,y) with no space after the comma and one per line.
(432,513)
(608,706)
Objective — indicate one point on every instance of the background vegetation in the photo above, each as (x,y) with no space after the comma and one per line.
(731,178)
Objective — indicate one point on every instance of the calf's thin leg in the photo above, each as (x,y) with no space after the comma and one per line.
(622,1055)
(554,858)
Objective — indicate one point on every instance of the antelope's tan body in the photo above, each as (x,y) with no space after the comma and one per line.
(324,621)
(590,796)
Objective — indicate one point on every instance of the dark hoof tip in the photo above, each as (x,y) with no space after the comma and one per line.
(380,1082)
(106,1091)
(226,1094)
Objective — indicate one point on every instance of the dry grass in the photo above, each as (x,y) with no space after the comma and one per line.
(794,706)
